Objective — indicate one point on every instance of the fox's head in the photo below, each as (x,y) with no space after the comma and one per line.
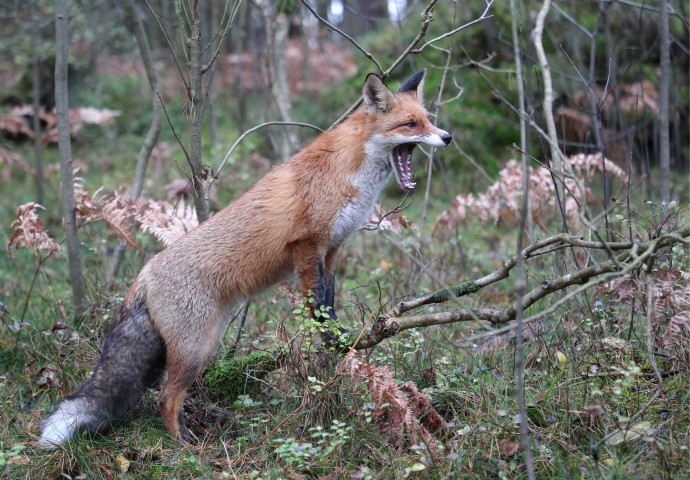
(399,122)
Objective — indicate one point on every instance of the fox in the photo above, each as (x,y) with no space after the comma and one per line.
(294,219)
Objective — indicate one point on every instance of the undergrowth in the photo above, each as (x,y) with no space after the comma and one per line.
(598,406)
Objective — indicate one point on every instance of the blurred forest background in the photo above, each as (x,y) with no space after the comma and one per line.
(574,366)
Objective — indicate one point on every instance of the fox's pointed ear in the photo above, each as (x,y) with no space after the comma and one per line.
(414,84)
(377,96)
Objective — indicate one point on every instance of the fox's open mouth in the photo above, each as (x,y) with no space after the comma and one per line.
(401,165)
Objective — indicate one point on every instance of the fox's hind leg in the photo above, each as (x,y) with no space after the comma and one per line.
(180,378)
(186,359)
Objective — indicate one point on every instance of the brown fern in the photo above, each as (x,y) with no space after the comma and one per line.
(16,124)
(401,411)
(28,231)
(393,220)
(165,221)
(677,332)
(671,302)
(119,214)
(12,159)
(502,200)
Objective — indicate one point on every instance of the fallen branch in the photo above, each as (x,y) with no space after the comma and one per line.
(635,256)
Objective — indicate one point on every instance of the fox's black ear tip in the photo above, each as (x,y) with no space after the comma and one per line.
(419,75)
(411,84)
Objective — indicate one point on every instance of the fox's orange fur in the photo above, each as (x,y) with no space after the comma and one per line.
(295,218)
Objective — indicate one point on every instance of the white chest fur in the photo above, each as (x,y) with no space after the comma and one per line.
(368,182)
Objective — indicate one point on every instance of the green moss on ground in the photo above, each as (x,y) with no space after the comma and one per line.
(229,377)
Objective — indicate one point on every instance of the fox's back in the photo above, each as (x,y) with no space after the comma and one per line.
(238,251)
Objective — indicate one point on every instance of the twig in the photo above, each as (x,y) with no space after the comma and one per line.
(169,43)
(348,37)
(404,203)
(242,137)
(430,156)
(177,137)
(521,282)
(243,319)
(226,31)
(548,104)
(504,272)
(483,16)
(427,18)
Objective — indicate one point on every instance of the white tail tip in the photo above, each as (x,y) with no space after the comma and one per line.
(62,424)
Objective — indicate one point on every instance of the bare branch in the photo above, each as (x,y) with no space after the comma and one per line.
(483,16)
(348,37)
(226,31)
(243,136)
(170,46)
(172,128)
(548,102)
(634,257)
(427,18)
(531,251)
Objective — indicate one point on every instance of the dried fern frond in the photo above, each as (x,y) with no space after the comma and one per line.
(86,208)
(393,221)
(9,158)
(119,213)
(17,121)
(28,231)
(590,164)
(503,199)
(670,310)
(165,221)
(671,291)
(677,332)
(633,98)
(623,288)
(398,408)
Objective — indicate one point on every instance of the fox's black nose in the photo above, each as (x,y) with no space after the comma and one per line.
(447,138)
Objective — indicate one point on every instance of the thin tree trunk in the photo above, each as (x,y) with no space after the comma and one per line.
(548,107)
(596,108)
(212,12)
(525,228)
(154,129)
(38,137)
(520,79)
(65,148)
(277,25)
(196,103)
(664,89)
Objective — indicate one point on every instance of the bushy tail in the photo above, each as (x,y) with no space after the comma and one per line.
(133,359)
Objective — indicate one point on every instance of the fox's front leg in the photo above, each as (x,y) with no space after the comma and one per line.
(315,278)
(316,273)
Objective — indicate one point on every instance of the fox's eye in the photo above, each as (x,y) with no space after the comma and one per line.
(411,125)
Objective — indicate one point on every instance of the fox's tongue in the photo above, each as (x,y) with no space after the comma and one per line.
(401,165)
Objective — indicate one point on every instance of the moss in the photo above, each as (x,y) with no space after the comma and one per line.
(457,291)
(229,377)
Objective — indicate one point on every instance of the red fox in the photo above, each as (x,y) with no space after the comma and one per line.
(294,218)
